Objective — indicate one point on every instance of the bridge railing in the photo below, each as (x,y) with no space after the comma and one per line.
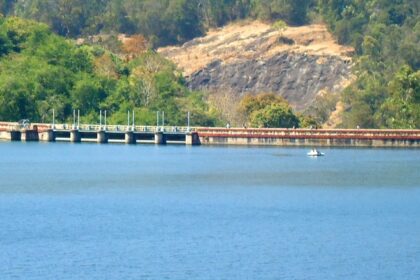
(124,128)
(226,132)
(310,133)
(6,126)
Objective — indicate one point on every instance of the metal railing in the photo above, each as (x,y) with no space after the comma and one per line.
(123,128)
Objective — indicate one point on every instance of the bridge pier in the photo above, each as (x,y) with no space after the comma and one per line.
(47,136)
(160,138)
(15,135)
(102,137)
(75,136)
(130,138)
(29,135)
(192,138)
(12,135)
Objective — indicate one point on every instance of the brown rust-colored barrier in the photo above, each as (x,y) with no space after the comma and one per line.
(310,137)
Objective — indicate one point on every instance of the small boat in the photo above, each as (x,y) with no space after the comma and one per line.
(315,153)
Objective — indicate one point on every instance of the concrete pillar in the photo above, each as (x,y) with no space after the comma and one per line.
(129,138)
(75,136)
(192,138)
(47,136)
(13,135)
(29,135)
(24,136)
(160,138)
(102,137)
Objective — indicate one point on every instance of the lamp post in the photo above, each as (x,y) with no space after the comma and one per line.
(74,119)
(53,122)
(188,121)
(157,121)
(134,118)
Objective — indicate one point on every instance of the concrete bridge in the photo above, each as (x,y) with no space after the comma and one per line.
(210,136)
(98,133)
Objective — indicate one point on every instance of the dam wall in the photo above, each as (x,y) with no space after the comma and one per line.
(212,136)
(309,137)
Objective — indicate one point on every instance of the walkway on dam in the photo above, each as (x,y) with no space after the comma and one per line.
(99,133)
(210,136)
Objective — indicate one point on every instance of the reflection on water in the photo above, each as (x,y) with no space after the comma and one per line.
(87,211)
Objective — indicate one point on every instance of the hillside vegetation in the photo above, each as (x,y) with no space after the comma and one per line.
(384,33)
(162,21)
(386,36)
(40,71)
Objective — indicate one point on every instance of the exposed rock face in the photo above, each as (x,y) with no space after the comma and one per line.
(296,77)
(297,63)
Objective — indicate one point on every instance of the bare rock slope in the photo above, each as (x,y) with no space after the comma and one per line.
(297,62)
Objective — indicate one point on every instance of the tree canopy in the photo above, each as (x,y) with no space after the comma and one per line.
(161,21)
(386,36)
(40,71)
(269,111)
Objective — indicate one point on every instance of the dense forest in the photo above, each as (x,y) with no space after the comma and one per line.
(386,36)
(40,71)
(56,72)
(162,21)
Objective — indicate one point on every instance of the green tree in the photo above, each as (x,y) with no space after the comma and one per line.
(15,101)
(268,110)
(275,115)
(87,94)
(6,45)
(292,11)
(402,108)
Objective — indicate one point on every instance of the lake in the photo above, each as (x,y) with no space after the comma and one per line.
(88,211)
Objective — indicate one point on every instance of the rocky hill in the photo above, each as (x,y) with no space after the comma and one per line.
(296,62)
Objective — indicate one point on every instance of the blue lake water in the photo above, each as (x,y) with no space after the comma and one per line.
(87,211)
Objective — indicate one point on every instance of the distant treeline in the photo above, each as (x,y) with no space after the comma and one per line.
(384,33)
(162,21)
